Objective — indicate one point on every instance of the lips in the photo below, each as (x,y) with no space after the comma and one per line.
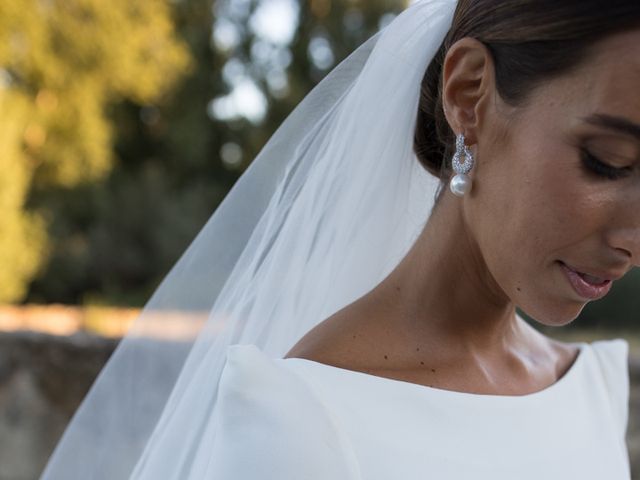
(596,276)
(586,285)
(591,279)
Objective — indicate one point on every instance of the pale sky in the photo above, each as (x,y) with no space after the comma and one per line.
(274,23)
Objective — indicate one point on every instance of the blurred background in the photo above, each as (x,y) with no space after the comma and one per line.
(123,124)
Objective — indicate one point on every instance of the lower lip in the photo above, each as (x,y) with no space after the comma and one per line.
(583,288)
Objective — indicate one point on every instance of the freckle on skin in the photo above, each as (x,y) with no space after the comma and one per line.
(433,370)
(385,357)
(421,363)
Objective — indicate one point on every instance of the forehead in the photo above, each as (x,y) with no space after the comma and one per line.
(608,80)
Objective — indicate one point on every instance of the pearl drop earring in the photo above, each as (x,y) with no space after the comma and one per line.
(461,183)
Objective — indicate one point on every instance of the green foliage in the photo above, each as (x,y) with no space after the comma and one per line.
(62,63)
(115,238)
(22,234)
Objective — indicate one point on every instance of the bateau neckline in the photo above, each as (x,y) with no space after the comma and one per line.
(559,384)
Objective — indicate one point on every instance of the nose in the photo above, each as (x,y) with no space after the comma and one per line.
(623,234)
(626,241)
(629,257)
(623,229)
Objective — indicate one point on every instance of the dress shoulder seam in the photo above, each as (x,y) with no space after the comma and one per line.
(345,443)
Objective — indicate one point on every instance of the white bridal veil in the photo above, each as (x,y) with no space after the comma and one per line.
(325,211)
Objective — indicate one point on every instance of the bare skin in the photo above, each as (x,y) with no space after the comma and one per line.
(446,316)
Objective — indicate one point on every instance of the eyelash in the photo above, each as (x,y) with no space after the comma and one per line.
(594,165)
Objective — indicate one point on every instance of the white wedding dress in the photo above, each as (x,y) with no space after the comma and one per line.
(296,419)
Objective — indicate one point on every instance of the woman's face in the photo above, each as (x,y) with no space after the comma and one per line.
(541,197)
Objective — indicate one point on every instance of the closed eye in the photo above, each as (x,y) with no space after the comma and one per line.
(596,166)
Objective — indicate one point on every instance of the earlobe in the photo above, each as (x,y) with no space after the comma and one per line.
(467,74)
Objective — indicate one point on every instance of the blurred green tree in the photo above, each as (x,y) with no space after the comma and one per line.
(254,60)
(62,62)
(22,234)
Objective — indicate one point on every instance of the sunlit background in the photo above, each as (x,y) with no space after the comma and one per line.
(123,124)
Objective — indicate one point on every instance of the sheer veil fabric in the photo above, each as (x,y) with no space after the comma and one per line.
(325,211)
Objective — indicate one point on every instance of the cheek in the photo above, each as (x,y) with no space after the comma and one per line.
(536,209)
(562,208)
(551,211)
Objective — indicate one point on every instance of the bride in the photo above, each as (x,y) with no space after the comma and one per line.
(349,311)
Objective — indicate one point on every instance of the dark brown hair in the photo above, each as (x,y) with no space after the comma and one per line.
(530,41)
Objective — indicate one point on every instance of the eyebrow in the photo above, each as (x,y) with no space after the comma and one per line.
(618,124)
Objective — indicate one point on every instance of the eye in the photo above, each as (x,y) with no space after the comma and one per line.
(595,165)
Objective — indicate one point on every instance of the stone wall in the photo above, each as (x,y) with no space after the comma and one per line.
(43,378)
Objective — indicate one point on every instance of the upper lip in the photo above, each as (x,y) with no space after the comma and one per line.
(595,273)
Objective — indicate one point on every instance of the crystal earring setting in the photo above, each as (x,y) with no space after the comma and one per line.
(461,183)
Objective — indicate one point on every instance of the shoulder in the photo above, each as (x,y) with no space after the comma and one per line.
(255,384)
(346,339)
(612,358)
(273,425)
(617,348)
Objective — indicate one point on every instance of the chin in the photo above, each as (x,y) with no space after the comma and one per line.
(556,322)
(556,316)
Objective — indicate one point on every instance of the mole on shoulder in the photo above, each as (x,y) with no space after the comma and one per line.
(385,357)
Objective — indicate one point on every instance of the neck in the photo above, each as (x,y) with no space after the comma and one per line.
(443,292)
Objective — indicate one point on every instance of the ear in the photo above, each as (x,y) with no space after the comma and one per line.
(468,84)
